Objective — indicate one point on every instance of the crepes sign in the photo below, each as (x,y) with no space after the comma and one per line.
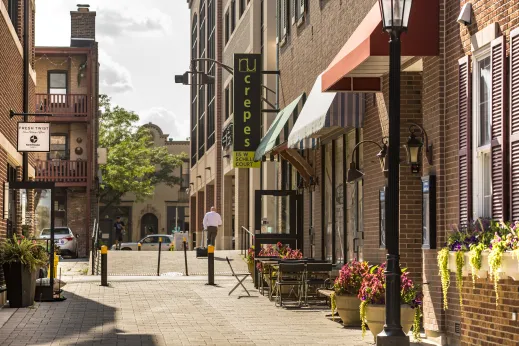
(34,137)
(247,109)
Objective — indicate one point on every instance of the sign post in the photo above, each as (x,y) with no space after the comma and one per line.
(247,109)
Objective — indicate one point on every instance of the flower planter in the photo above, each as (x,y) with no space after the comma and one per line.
(509,266)
(251,271)
(348,308)
(376,314)
(21,285)
(467,270)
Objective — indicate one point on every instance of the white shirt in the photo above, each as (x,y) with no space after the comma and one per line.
(212,218)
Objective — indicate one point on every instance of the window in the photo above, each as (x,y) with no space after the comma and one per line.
(194,95)
(57,82)
(58,147)
(227,100)
(233,15)
(202,88)
(242,7)
(482,176)
(227,27)
(12,10)
(211,54)
(298,10)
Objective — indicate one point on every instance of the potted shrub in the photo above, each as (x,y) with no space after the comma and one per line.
(346,289)
(372,294)
(21,259)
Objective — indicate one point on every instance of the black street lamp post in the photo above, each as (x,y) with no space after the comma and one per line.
(395,18)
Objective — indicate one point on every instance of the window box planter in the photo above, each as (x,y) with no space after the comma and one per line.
(509,266)
(467,270)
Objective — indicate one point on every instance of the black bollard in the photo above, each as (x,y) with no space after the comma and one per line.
(104,265)
(160,250)
(185,255)
(210,265)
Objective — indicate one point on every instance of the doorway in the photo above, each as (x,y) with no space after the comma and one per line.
(149,224)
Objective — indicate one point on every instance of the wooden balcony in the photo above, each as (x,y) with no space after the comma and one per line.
(63,107)
(62,172)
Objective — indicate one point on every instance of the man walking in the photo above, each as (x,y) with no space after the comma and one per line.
(119,228)
(212,220)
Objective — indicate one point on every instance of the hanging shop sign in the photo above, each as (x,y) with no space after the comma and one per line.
(247,109)
(33,137)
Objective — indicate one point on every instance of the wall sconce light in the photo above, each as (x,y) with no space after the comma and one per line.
(414,145)
(192,184)
(208,168)
(199,177)
(301,186)
(227,156)
(354,174)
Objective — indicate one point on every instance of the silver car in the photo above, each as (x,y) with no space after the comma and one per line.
(149,243)
(64,238)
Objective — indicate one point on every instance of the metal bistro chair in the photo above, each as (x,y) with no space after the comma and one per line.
(290,274)
(239,277)
(317,275)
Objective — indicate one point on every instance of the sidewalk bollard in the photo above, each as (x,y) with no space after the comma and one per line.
(139,245)
(210,265)
(160,248)
(104,265)
(185,254)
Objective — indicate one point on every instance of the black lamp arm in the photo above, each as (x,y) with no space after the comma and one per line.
(358,144)
(227,68)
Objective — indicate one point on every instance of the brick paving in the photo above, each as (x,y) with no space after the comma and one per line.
(123,263)
(169,310)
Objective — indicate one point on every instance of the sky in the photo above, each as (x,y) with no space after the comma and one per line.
(142,45)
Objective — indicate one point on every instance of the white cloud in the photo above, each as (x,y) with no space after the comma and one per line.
(170,123)
(130,21)
(113,77)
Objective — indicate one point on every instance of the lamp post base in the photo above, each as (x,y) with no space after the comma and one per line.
(386,340)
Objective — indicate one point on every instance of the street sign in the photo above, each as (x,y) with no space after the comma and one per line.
(33,137)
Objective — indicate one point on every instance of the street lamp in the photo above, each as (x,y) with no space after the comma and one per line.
(414,146)
(354,174)
(395,19)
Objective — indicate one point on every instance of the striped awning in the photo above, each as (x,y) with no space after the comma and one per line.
(269,141)
(326,115)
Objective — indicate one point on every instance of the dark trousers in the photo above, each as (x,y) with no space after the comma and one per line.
(211,235)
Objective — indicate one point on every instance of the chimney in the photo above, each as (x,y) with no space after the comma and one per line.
(83,26)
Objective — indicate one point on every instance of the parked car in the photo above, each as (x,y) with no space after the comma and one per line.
(64,238)
(149,243)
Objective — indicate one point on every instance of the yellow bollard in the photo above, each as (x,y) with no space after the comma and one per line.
(55,264)
(139,245)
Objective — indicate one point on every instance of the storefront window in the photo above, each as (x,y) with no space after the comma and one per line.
(328,203)
(339,201)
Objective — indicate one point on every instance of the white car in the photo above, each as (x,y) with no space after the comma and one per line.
(64,238)
(149,243)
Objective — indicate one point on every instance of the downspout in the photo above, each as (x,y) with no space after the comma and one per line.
(26,62)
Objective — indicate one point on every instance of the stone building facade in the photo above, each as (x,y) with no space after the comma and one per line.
(165,212)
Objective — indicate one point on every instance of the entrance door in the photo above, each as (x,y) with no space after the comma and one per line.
(149,225)
(278,218)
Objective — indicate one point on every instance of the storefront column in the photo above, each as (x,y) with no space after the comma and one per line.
(241,196)
(224,238)
(200,212)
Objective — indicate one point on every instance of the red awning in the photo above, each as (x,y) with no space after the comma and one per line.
(365,56)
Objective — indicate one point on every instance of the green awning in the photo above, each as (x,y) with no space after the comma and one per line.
(269,141)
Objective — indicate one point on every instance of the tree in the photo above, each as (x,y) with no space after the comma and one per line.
(134,164)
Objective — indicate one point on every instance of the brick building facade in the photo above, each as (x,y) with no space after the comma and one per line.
(12,97)
(68,88)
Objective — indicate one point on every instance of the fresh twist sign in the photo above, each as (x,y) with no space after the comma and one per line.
(247,109)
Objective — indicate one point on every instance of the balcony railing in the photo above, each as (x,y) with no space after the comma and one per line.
(61,171)
(62,104)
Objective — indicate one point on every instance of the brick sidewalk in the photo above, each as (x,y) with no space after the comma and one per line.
(169,313)
(123,263)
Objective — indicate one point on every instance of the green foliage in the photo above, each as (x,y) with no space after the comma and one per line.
(460,262)
(134,164)
(443,261)
(475,260)
(29,252)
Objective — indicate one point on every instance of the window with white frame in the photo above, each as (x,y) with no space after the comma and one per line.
(481,120)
